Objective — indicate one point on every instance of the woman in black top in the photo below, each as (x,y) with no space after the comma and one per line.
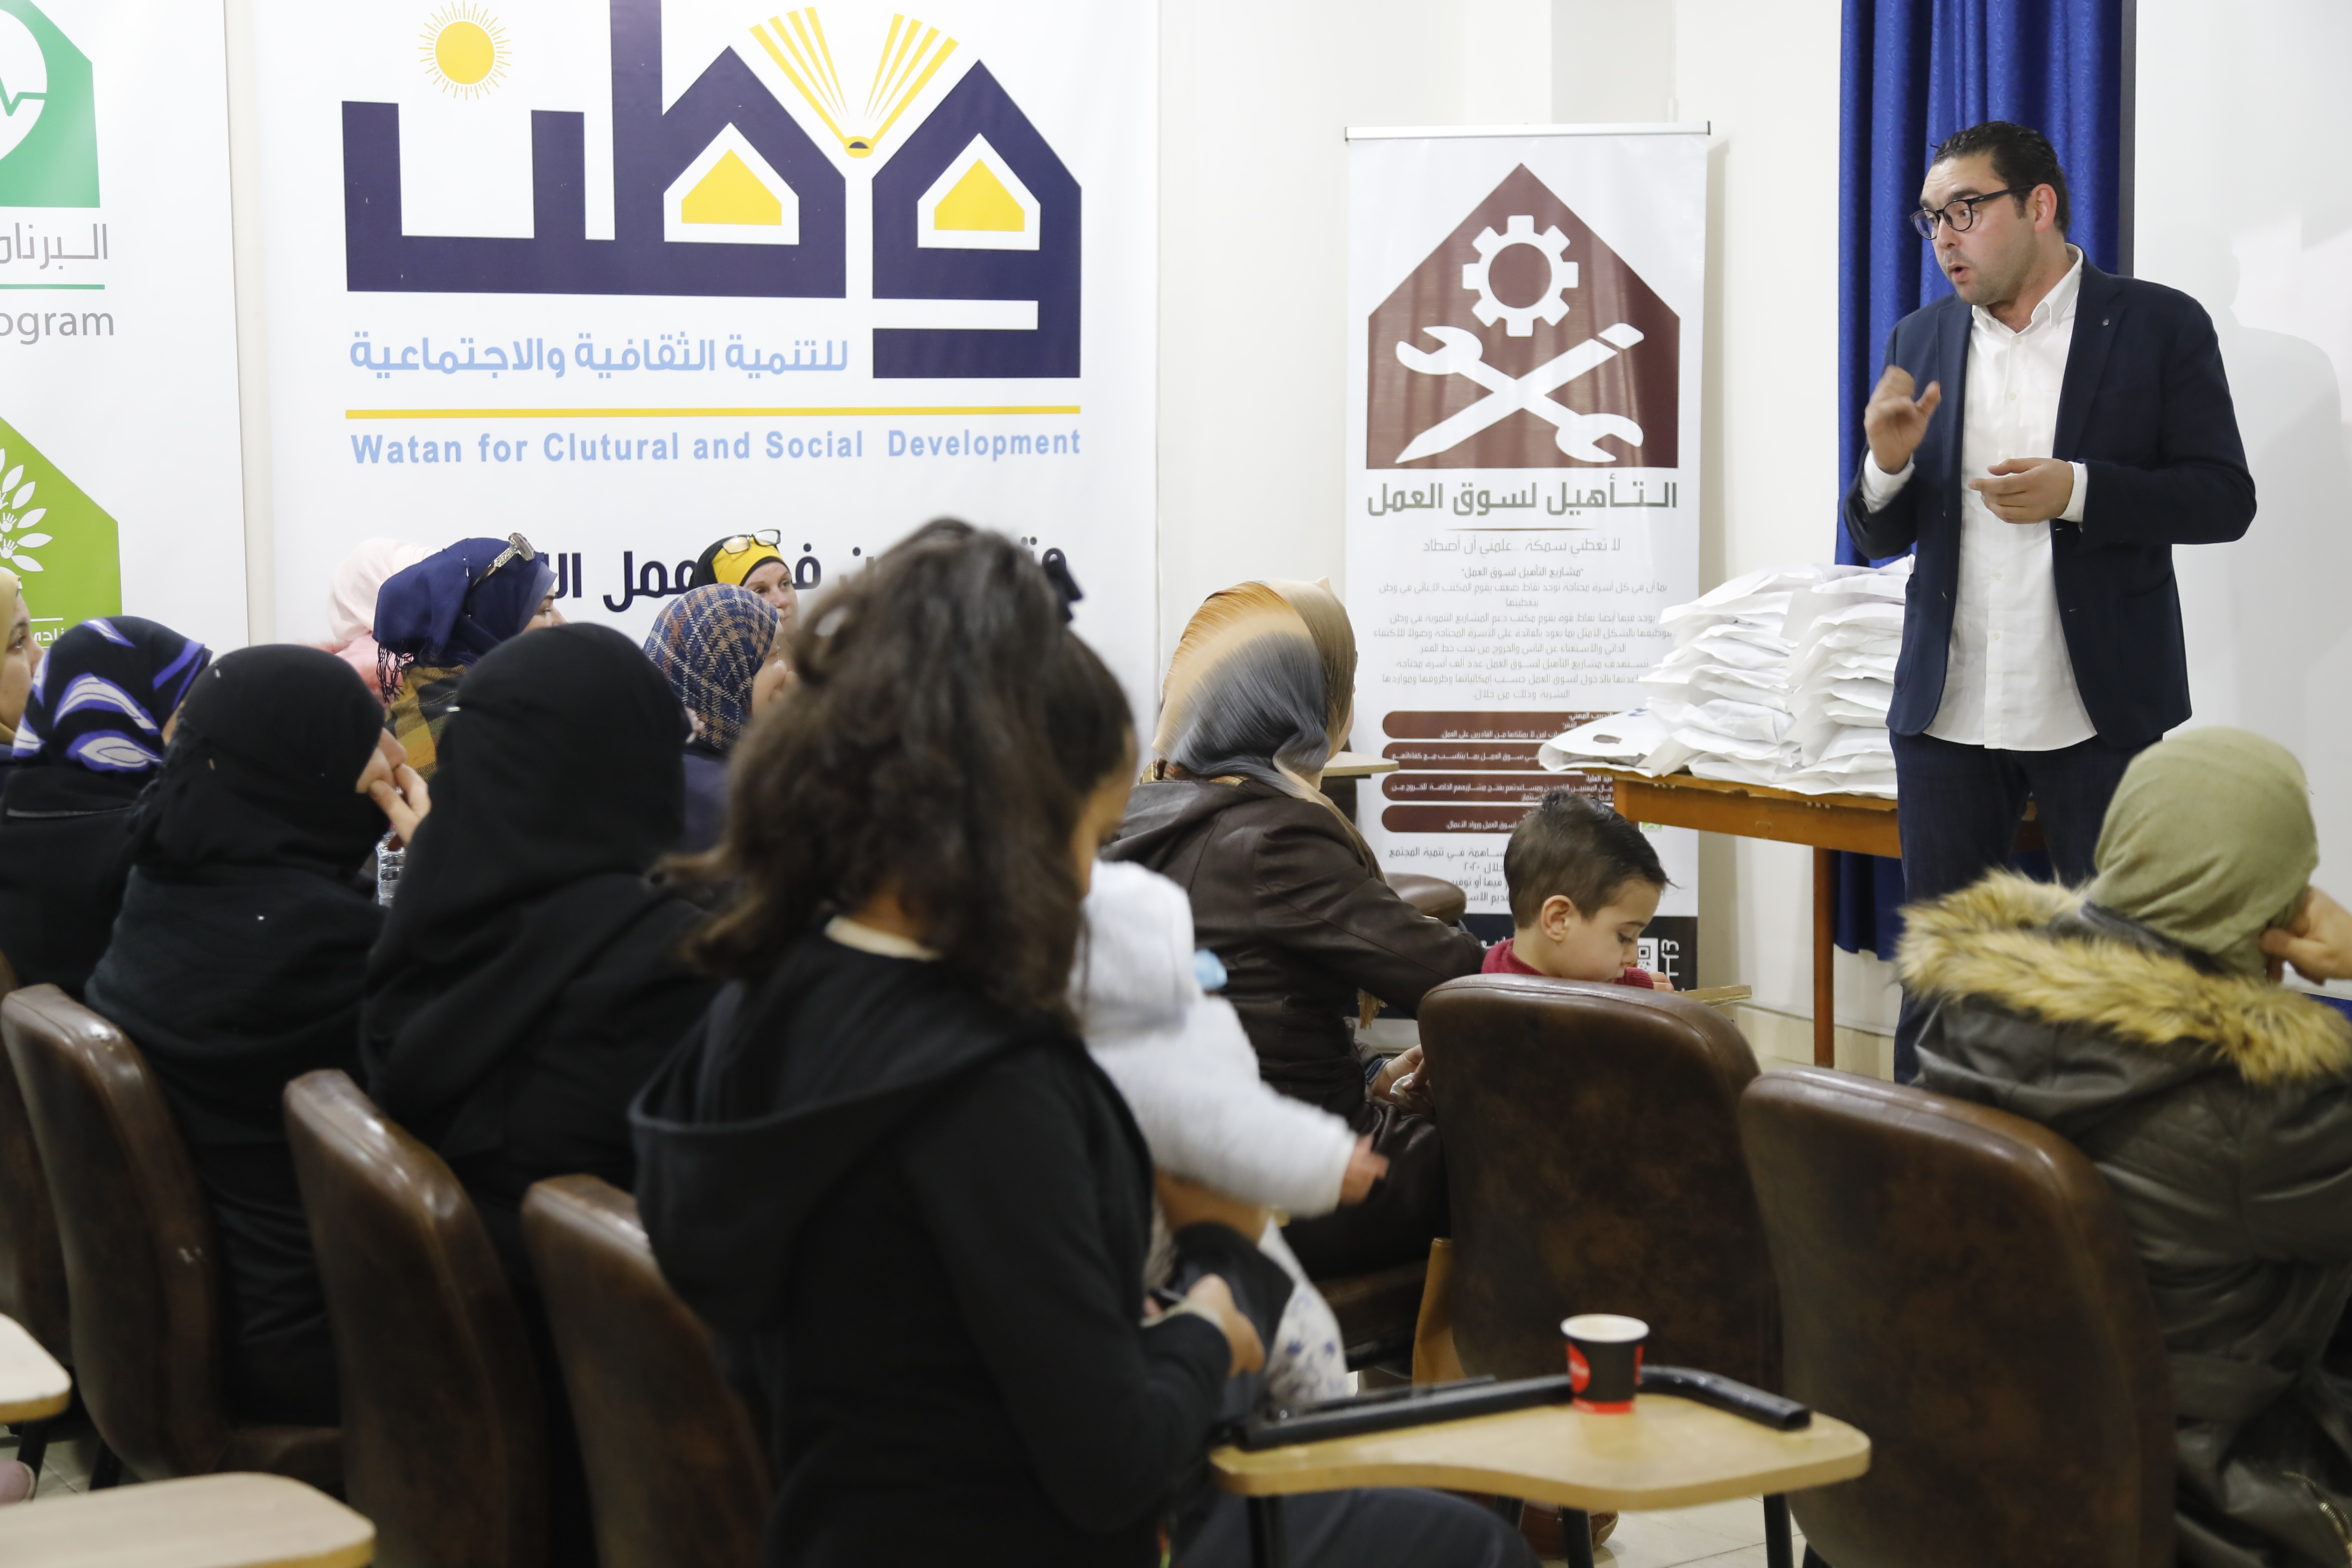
(529,979)
(885,1169)
(235,967)
(91,739)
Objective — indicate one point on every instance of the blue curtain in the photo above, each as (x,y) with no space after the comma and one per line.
(1912,72)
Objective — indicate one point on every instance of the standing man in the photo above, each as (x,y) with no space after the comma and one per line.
(2089,430)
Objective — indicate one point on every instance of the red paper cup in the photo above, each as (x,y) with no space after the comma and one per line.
(1604,1359)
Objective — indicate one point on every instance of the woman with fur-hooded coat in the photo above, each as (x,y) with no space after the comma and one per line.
(2135,1019)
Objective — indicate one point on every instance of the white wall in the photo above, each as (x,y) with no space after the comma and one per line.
(2242,120)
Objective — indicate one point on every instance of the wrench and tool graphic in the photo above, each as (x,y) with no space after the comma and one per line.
(1462,353)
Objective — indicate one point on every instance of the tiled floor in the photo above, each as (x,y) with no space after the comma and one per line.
(1720,1534)
(66,1467)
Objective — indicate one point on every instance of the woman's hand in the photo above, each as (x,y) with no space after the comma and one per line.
(397,789)
(1241,1335)
(2318,941)
(1364,1168)
(1404,1082)
(1189,1203)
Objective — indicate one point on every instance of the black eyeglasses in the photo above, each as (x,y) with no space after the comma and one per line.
(736,544)
(1962,213)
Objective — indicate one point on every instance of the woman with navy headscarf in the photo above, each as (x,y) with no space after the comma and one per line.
(435,620)
(90,740)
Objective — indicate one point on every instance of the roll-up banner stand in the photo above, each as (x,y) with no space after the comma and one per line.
(1528,310)
(632,276)
(120,465)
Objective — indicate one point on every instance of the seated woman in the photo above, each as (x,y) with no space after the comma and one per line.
(2135,1019)
(883,1168)
(88,740)
(436,618)
(235,967)
(722,651)
(20,661)
(750,561)
(530,978)
(1286,893)
(350,603)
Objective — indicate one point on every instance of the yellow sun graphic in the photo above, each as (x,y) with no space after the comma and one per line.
(464,49)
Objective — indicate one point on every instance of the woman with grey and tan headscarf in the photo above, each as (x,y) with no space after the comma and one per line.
(20,660)
(1286,893)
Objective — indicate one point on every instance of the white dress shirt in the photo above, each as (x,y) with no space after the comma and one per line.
(2008,684)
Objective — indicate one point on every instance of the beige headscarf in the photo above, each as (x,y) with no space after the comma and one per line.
(12,594)
(2209,843)
(1263,685)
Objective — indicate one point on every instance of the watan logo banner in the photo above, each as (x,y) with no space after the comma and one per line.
(630,276)
(1523,483)
(121,464)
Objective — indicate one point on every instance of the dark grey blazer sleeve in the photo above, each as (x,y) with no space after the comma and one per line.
(2199,491)
(1894,528)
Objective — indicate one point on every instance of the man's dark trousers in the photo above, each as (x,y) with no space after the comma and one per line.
(1958,809)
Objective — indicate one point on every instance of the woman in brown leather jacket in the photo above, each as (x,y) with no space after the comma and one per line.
(1286,893)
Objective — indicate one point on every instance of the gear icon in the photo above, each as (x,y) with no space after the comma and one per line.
(1549,306)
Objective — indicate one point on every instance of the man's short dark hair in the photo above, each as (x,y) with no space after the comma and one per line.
(1576,847)
(2022,158)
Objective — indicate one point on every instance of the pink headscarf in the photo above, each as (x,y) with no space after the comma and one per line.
(350,600)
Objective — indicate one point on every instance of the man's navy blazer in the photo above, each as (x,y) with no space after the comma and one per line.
(2146,407)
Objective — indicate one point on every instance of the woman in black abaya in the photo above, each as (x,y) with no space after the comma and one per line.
(91,739)
(235,966)
(530,978)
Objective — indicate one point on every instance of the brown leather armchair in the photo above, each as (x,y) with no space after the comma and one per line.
(674,1470)
(1957,1282)
(445,1439)
(1592,1153)
(136,1239)
(32,1264)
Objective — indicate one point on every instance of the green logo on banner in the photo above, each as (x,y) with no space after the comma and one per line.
(48,115)
(58,541)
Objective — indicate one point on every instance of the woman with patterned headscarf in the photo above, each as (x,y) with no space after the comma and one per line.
(434,619)
(1286,893)
(89,739)
(722,651)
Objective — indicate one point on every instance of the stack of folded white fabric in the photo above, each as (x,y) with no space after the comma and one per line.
(1781,678)
(1848,631)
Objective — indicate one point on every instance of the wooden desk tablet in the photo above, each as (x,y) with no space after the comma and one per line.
(234,1521)
(32,1383)
(1668,1453)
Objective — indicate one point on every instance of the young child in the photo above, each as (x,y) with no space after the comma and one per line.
(1180,1058)
(1584,882)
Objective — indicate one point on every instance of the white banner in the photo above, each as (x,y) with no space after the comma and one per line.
(119,478)
(1523,481)
(631,276)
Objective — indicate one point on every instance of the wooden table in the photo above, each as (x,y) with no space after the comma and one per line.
(232,1521)
(1858,823)
(1669,1453)
(32,1385)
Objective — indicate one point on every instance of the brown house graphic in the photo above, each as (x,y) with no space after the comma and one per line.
(1523,341)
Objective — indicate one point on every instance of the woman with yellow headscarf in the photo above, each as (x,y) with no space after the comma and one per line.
(1286,893)
(751,561)
(2135,1018)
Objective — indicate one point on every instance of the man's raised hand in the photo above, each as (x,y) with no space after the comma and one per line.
(1893,421)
